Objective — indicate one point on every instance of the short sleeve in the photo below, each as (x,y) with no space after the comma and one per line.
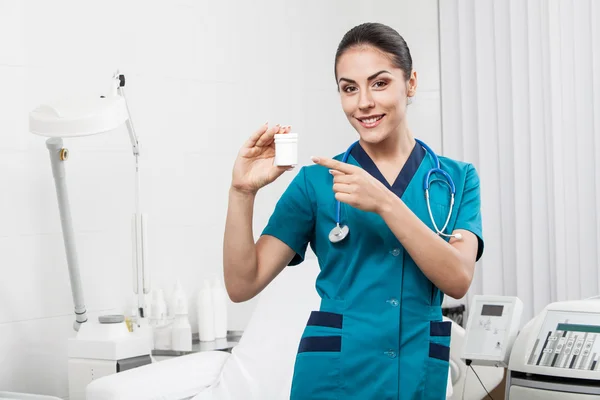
(469,211)
(293,219)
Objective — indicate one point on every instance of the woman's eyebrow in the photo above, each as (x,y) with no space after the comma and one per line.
(375,75)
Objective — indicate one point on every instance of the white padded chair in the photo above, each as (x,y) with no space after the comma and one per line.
(261,366)
(25,396)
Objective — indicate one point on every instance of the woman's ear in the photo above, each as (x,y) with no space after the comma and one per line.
(412,84)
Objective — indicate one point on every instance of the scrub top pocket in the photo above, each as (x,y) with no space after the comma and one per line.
(437,379)
(438,361)
(317,372)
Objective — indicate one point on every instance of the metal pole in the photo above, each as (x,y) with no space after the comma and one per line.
(58,155)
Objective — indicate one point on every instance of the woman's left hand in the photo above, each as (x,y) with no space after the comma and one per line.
(355,186)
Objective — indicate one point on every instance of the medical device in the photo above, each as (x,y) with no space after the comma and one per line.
(105,346)
(492,328)
(556,355)
(340,232)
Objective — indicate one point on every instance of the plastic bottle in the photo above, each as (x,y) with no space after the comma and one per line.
(206,318)
(286,149)
(159,321)
(219,296)
(178,293)
(158,313)
(181,330)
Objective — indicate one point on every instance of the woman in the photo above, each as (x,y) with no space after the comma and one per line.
(379,332)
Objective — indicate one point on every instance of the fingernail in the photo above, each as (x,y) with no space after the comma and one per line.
(315,159)
(267,123)
(331,172)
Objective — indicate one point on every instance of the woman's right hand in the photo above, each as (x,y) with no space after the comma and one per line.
(253,168)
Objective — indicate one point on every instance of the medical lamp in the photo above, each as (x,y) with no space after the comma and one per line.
(74,117)
(106,346)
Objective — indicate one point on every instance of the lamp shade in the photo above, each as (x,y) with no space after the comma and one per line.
(78,116)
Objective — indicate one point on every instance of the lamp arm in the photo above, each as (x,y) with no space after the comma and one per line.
(141,278)
(120,82)
(57,156)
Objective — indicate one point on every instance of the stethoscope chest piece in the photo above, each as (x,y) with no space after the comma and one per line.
(338,233)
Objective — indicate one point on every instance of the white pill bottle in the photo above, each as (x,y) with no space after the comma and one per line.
(286,149)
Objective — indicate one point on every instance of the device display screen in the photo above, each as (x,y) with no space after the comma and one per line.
(491,310)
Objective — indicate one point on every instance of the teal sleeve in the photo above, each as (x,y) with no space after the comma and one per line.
(293,220)
(469,211)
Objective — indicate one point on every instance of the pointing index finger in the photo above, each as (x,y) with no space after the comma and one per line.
(334,164)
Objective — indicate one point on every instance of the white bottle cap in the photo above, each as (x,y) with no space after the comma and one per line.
(291,136)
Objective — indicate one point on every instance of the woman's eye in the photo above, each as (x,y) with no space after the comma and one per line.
(349,89)
(380,84)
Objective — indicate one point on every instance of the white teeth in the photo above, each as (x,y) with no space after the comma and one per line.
(371,120)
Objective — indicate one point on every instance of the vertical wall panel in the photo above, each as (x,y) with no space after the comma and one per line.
(594,45)
(527,114)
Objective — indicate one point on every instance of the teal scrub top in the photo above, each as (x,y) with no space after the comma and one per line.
(378,333)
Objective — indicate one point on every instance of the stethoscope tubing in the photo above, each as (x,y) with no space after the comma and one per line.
(426,184)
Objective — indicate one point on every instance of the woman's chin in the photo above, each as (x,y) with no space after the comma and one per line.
(372,136)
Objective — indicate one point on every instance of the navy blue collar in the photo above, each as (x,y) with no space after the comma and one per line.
(404,177)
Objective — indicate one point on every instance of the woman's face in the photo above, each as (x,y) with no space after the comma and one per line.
(373,92)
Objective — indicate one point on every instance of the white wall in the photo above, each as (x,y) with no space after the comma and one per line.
(201,76)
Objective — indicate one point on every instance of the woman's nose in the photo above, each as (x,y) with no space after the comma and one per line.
(366,101)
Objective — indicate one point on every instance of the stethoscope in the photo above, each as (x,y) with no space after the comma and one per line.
(339,232)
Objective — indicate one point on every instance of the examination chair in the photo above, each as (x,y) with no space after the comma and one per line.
(260,367)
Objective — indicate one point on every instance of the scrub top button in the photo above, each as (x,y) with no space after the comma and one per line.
(396,252)
(390,353)
(394,302)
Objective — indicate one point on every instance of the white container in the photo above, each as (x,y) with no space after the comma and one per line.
(159,321)
(286,149)
(161,336)
(219,296)
(206,315)
(181,333)
(158,309)
(177,294)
